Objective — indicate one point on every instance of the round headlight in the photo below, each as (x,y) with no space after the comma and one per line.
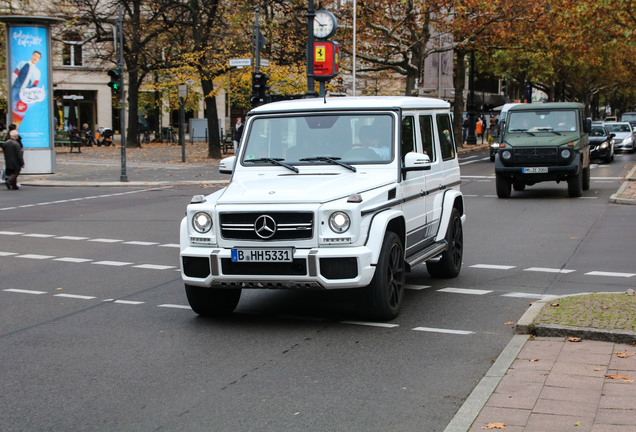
(202,222)
(506,154)
(565,153)
(605,145)
(339,222)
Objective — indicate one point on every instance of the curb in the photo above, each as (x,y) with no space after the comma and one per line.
(617,197)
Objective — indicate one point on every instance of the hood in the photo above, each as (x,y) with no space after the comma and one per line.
(598,139)
(300,188)
(540,139)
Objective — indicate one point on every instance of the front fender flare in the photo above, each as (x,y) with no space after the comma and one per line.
(452,198)
(378,228)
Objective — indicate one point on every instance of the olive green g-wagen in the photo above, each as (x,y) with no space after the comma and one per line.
(544,142)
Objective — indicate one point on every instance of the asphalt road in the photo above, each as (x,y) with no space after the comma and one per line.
(95,333)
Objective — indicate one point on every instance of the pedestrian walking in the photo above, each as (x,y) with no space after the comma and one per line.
(13,160)
(465,126)
(479,129)
(238,133)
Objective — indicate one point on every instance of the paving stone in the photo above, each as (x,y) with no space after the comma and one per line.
(616,417)
(588,347)
(591,397)
(566,408)
(575,382)
(508,416)
(618,402)
(619,388)
(557,423)
(612,428)
(515,395)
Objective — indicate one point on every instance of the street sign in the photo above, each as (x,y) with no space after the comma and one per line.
(240,62)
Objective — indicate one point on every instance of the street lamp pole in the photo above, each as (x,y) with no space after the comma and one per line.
(123,177)
(311,13)
(471,138)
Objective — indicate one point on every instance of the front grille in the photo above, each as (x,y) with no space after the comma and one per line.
(536,156)
(298,267)
(289,226)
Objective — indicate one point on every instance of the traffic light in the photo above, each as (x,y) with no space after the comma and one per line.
(115,79)
(259,88)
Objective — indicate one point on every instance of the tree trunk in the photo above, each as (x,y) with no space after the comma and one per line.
(133,99)
(214,141)
(459,80)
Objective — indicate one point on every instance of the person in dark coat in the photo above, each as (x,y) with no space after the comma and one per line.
(13,160)
(238,133)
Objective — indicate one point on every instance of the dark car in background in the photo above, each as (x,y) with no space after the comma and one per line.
(601,143)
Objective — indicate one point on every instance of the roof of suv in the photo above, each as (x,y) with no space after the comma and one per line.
(345,103)
(547,106)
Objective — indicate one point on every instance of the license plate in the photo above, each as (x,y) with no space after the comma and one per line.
(535,170)
(263,255)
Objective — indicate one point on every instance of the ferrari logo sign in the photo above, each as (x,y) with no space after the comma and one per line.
(325,60)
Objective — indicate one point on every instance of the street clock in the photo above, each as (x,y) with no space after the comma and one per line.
(325,24)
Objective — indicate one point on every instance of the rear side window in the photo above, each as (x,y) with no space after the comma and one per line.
(445,133)
(426,132)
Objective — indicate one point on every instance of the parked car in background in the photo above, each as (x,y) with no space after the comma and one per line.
(610,119)
(623,135)
(631,118)
(601,143)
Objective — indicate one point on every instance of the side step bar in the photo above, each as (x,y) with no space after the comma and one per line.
(427,253)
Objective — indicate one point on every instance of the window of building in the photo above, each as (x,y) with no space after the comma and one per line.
(72,50)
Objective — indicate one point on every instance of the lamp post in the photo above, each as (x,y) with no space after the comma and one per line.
(471,138)
(183,95)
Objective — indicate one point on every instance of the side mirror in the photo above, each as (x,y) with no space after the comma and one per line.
(502,128)
(587,125)
(226,166)
(415,162)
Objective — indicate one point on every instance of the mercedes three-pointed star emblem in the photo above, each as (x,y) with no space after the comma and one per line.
(265,226)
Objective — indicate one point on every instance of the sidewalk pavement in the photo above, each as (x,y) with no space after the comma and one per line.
(537,384)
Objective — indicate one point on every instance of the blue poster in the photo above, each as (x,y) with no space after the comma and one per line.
(30,83)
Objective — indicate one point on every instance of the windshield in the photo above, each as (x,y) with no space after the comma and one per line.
(629,117)
(320,139)
(598,131)
(542,121)
(618,127)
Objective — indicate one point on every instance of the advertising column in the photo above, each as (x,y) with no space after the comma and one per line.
(30,89)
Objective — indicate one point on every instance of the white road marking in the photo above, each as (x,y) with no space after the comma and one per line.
(173,306)
(35,256)
(10,233)
(548,270)
(75,296)
(416,287)
(153,266)
(105,240)
(39,235)
(529,295)
(73,260)
(21,291)
(141,243)
(446,331)
(112,263)
(370,324)
(611,274)
(170,245)
(8,253)
(464,291)
(492,266)
(128,302)
(71,238)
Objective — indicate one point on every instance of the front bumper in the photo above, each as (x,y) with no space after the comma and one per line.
(555,172)
(597,152)
(324,268)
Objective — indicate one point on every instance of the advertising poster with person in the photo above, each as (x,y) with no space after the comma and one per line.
(29,86)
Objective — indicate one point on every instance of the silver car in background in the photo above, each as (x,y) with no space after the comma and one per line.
(623,135)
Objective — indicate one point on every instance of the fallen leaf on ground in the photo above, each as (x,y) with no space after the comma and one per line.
(494,426)
(534,360)
(624,354)
(617,377)
(574,339)
(509,323)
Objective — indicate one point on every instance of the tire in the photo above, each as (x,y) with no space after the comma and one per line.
(575,185)
(450,264)
(586,178)
(503,186)
(382,298)
(212,301)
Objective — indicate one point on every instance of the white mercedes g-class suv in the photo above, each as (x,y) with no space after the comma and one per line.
(332,193)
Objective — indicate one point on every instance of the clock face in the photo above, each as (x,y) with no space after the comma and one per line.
(324,24)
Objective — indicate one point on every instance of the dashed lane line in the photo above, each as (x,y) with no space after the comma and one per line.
(445,331)
(492,266)
(465,291)
(95,240)
(548,270)
(22,291)
(610,274)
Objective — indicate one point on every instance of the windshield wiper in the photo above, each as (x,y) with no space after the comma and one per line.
(275,161)
(548,129)
(329,159)
(522,130)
